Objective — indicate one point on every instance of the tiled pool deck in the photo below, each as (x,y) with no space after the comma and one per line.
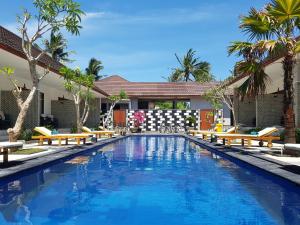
(266,163)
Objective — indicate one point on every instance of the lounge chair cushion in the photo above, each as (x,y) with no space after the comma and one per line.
(295,147)
(43,130)
(46,132)
(54,132)
(230,130)
(267,131)
(86,129)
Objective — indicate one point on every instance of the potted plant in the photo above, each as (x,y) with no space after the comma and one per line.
(191,121)
(138,119)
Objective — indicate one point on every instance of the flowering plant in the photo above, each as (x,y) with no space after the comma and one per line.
(138,118)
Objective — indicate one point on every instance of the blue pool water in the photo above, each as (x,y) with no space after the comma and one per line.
(148,181)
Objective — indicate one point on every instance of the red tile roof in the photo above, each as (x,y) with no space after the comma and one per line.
(13,43)
(114,84)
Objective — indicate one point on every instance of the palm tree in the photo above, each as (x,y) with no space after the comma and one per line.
(252,65)
(56,47)
(191,69)
(95,66)
(272,32)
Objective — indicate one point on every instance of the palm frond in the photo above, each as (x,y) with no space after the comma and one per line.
(284,10)
(56,47)
(176,76)
(240,48)
(191,69)
(94,68)
(258,25)
(257,80)
(202,72)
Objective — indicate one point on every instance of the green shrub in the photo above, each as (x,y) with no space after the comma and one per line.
(297,135)
(191,119)
(26,135)
(74,129)
(282,134)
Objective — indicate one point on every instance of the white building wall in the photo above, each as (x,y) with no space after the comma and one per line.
(52,93)
(200,103)
(134,104)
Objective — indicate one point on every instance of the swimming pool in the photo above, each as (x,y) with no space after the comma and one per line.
(148,180)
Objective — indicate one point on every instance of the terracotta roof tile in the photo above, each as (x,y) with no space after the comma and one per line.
(13,44)
(114,84)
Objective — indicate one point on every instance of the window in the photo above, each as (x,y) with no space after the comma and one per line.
(104,108)
(143,104)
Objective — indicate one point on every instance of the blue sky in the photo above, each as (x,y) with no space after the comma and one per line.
(137,39)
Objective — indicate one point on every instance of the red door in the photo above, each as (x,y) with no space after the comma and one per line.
(120,118)
(207,119)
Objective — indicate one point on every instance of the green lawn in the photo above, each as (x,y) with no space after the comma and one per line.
(28,151)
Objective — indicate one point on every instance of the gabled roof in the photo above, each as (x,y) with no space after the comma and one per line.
(12,43)
(114,84)
(114,78)
(268,61)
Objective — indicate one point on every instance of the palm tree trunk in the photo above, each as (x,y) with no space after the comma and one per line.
(288,102)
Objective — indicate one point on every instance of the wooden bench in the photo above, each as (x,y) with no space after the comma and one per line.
(7,147)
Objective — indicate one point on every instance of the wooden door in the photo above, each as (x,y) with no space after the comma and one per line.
(207,119)
(120,118)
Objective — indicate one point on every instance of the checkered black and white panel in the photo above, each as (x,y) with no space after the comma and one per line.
(154,119)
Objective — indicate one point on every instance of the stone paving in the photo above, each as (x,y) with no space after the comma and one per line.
(273,165)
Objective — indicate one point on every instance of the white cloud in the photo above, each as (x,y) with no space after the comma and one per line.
(167,17)
(93,15)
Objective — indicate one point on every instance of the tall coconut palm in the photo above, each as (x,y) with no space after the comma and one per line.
(273,31)
(191,69)
(95,66)
(56,47)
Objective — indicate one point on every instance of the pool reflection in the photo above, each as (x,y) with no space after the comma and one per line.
(96,181)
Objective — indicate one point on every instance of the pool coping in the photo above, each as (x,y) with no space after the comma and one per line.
(271,166)
(36,162)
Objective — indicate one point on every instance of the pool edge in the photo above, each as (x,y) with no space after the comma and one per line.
(272,167)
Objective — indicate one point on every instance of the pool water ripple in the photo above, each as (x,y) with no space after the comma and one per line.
(149,180)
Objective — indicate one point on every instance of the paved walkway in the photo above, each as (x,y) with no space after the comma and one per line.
(49,149)
(267,152)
